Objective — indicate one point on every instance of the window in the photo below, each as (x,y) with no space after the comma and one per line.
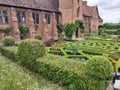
(78,3)
(57,18)
(3,17)
(21,17)
(78,11)
(35,18)
(47,17)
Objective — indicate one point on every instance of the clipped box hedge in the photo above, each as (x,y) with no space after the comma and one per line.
(9,53)
(67,72)
(29,50)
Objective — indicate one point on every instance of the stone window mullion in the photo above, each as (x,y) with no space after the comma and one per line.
(1,19)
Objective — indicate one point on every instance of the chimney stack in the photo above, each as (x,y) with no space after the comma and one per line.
(85,2)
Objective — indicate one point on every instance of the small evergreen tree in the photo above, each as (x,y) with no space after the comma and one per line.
(80,24)
(69,30)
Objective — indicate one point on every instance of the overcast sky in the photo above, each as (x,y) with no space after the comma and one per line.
(109,10)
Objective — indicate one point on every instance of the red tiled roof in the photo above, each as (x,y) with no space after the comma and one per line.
(49,5)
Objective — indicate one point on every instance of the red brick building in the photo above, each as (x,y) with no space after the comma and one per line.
(42,16)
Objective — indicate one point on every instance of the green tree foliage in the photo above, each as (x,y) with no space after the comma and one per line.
(111,26)
(80,24)
(60,28)
(99,67)
(69,30)
(24,30)
(61,33)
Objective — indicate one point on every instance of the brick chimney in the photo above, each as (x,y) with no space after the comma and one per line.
(85,2)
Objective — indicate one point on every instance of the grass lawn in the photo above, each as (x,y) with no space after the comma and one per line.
(14,77)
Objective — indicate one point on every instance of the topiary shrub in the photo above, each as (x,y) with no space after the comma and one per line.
(38,36)
(29,50)
(8,41)
(99,67)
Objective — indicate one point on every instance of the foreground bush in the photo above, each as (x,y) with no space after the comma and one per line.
(29,50)
(99,67)
(67,72)
(8,41)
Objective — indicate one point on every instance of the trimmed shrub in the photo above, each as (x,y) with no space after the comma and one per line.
(8,41)
(67,72)
(10,54)
(38,36)
(29,50)
(99,67)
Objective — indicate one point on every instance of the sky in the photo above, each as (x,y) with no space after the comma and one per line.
(109,10)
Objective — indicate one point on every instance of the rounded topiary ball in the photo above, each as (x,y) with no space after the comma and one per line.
(8,41)
(29,50)
(38,36)
(99,67)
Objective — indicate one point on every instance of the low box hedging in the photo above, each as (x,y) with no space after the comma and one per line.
(67,72)
(11,54)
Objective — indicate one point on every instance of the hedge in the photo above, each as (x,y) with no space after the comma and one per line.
(67,72)
(99,67)
(9,53)
(29,50)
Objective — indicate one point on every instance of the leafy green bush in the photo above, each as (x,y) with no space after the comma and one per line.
(29,50)
(69,30)
(67,72)
(80,24)
(38,36)
(99,67)
(8,41)
(24,30)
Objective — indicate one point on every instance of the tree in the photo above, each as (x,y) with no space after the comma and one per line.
(80,24)
(69,30)
(23,30)
(60,28)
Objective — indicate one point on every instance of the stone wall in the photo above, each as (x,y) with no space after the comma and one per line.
(48,31)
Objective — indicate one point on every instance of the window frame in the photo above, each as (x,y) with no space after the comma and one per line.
(4,18)
(36,18)
(48,18)
(22,17)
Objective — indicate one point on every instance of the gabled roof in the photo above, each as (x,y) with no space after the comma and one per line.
(86,10)
(48,5)
(91,11)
